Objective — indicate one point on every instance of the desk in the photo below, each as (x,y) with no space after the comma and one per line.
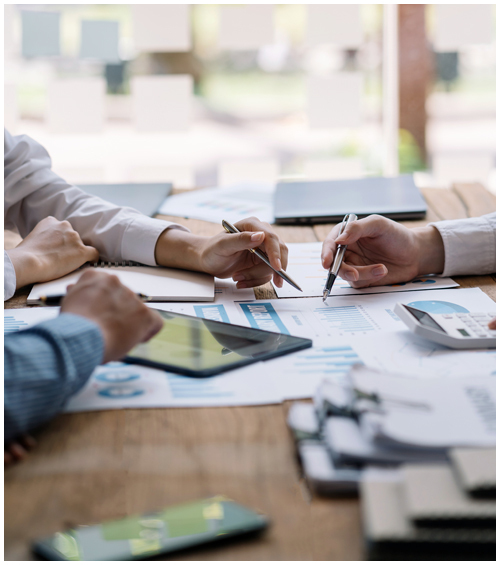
(92,467)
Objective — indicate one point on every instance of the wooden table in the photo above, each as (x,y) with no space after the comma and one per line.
(97,466)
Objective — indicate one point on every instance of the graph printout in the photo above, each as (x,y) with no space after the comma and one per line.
(353,316)
(304,266)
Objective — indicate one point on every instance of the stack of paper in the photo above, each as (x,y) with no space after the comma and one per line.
(373,418)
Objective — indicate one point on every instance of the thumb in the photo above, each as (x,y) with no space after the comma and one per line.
(241,241)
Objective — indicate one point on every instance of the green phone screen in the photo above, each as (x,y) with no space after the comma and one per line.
(138,537)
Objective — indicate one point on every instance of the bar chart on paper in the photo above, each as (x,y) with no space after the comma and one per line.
(22,318)
(304,266)
(309,317)
(299,375)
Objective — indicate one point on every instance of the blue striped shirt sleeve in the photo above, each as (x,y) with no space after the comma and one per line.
(44,366)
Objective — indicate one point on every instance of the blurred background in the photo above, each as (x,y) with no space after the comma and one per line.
(205,95)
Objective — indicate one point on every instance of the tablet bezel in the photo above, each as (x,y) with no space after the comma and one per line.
(297,344)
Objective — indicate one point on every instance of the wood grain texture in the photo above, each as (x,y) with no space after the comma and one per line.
(99,466)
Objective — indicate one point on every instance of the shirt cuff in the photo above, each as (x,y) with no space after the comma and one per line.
(469,245)
(140,237)
(9,277)
(83,344)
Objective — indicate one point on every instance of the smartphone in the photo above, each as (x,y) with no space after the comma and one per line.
(140,537)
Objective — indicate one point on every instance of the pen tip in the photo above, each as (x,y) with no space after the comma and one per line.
(325,295)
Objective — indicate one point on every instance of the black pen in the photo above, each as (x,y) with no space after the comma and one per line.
(339,257)
(56,299)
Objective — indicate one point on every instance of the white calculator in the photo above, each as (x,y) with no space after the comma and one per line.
(456,330)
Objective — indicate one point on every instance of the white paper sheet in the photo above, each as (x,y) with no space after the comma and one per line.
(76,105)
(162,103)
(160,283)
(338,24)
(117,385)
(334,101)
(40,33)
(460,412)
(217,204)
(462,24)
(99,40)
(223,311)
(246,27)
(15,319)
(304,266)
(161,28)
(352,316)
(299,374)
(405,353)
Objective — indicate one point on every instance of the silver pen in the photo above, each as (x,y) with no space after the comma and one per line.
(262,256)
(339,257)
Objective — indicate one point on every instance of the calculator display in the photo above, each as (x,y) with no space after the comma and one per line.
(424,318)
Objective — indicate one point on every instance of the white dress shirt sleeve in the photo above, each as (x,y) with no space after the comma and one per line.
(32,191)
(9,275)
(469,245)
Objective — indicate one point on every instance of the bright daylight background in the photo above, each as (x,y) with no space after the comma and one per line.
(209,94)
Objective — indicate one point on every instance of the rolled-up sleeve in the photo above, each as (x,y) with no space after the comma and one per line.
(469,245)
(32,191)
(45,365)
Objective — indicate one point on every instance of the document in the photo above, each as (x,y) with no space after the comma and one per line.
(429,413)
(299,374)
(160,283)
(118,385)
(304,266)
(353,316)
(404,353)
(216,204)
(15,319)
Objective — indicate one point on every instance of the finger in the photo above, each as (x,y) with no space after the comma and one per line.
(253,282)
(329,247)
(272,244)
(236,242)
(362,276)
(155,326)
(28,442)
(272,248)
(492,324)
(7,459)
(17,451)
(367,227)
(258,271)
(91,254)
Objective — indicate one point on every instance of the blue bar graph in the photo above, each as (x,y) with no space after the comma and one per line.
(326,360)
(10,324)
(345,318)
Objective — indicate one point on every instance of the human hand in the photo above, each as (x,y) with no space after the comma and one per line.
(51,250)
(123,319)
(492,324)
(17,450)
(227,255)
(381,251)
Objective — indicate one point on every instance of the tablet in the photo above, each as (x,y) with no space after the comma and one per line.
(201,348)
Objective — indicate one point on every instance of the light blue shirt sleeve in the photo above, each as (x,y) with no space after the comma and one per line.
(44,366)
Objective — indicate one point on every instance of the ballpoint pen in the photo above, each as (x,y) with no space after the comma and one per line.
(56,299)
(262,256)
(339,257)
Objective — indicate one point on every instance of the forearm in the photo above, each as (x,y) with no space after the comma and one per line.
(44,366)
(179,249)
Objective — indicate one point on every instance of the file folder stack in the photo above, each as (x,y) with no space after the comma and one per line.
(425,512)
(385,421)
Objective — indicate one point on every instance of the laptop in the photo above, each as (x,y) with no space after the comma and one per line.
(315,202)
(146,197)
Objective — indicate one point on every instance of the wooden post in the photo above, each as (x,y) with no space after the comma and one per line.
(415,72)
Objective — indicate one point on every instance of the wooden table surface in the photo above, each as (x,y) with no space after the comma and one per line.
(98,466)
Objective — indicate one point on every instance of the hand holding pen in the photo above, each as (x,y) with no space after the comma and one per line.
(264,258)
(339,257)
